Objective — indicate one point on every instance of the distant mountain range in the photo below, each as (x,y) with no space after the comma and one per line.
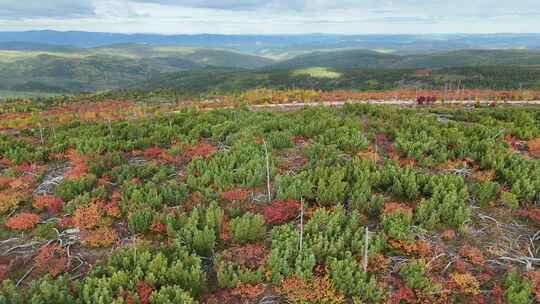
(355,59)
(286,45)
(43,66)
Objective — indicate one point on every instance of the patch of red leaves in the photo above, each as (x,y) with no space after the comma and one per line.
(532,214)
(152,153)
(78,163)
(280,212)
(473,254)
(448,235)
(158,227)
(419,248)
(144,290)
(235,195)
(534,277)
(66,222)
(3,272)
(534,147)
(512,141)
(203,150)
(403,294)
(52,203)
(250,256)
(51,259)
(247,292)
(390,208)
(23,221)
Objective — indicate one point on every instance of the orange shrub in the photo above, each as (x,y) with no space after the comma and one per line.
(52,203)
(23,221)
(87,217)
(320,290)
(9,200)
(473,254)
(235,195)
(396,207)
(102,237)
(248,292)
(534,147)
(448,235)
(466,282)
(51,259)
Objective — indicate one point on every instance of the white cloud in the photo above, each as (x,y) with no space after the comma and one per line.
(275,16)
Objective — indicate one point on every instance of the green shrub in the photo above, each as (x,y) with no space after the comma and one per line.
(140,221)
(230,275)
(518,290)
(71,188)
(414,275)
(510,200)
(247,228)
(349,278)
(397,225)
(486,192)
(171,295)
(199,230)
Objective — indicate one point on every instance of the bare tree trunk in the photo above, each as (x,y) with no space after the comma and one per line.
(366,248)
(267,172)
(301,224)
(42,140)
(110,126)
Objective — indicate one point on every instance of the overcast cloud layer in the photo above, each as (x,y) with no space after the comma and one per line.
(273,16)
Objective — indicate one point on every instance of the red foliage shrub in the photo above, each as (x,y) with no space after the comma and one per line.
(225,233)
(144,290)
(52,259)
(512,141)
(448,235)
(52,203)
(534,277)
(23,221)
(250,256)
(200,150)
(280,212)
(473,254)
(377,263)
(396,207)
(152,152)
(298,139)
(3,272)
(158,227)
(5,181)
(111,209)
(248,292)
(222,296)
(460,265)
(79,167)
(497,294)
(235,195)
(533,214)
(66,222)
(402,293)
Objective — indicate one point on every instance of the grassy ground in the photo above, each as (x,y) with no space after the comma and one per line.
(317,72)
(13,94)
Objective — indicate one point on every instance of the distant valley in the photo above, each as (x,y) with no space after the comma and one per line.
(233,63)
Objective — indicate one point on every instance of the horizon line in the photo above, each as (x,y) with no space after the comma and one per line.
(273,34)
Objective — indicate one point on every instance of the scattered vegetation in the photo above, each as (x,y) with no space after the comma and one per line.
(119,202)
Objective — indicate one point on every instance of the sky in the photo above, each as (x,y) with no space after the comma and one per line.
(273,16)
